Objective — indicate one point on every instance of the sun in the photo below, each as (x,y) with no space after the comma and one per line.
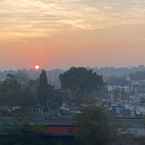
(37,67)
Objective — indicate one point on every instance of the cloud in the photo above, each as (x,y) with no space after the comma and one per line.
(43,18)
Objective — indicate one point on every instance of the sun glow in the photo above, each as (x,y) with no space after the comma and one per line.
(37,67)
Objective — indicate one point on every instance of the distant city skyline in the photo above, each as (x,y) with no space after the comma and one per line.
(64,33)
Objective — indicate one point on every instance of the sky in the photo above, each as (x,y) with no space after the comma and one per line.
(63,33)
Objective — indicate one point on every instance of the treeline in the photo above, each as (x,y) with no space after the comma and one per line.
(79,86)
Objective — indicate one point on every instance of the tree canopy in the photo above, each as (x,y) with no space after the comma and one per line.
(13,93)
(95,127)
(10,91)
(82,78)
(84,84)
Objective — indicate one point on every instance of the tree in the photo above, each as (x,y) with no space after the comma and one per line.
(48,96)
(28,97)
(96,127)
(10,91)
(83,83)
(13,92)
(43,88)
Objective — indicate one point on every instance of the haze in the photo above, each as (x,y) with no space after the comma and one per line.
(61,33)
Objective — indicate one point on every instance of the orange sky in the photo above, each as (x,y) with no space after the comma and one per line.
(62,33)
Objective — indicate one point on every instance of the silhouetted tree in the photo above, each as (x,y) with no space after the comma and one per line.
(48,96)
(82,83)
(96,127)
(10,91)
(43,88)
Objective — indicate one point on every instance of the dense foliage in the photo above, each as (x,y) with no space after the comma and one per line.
(96,127)
(83,84)
(81,78)
(49,98)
